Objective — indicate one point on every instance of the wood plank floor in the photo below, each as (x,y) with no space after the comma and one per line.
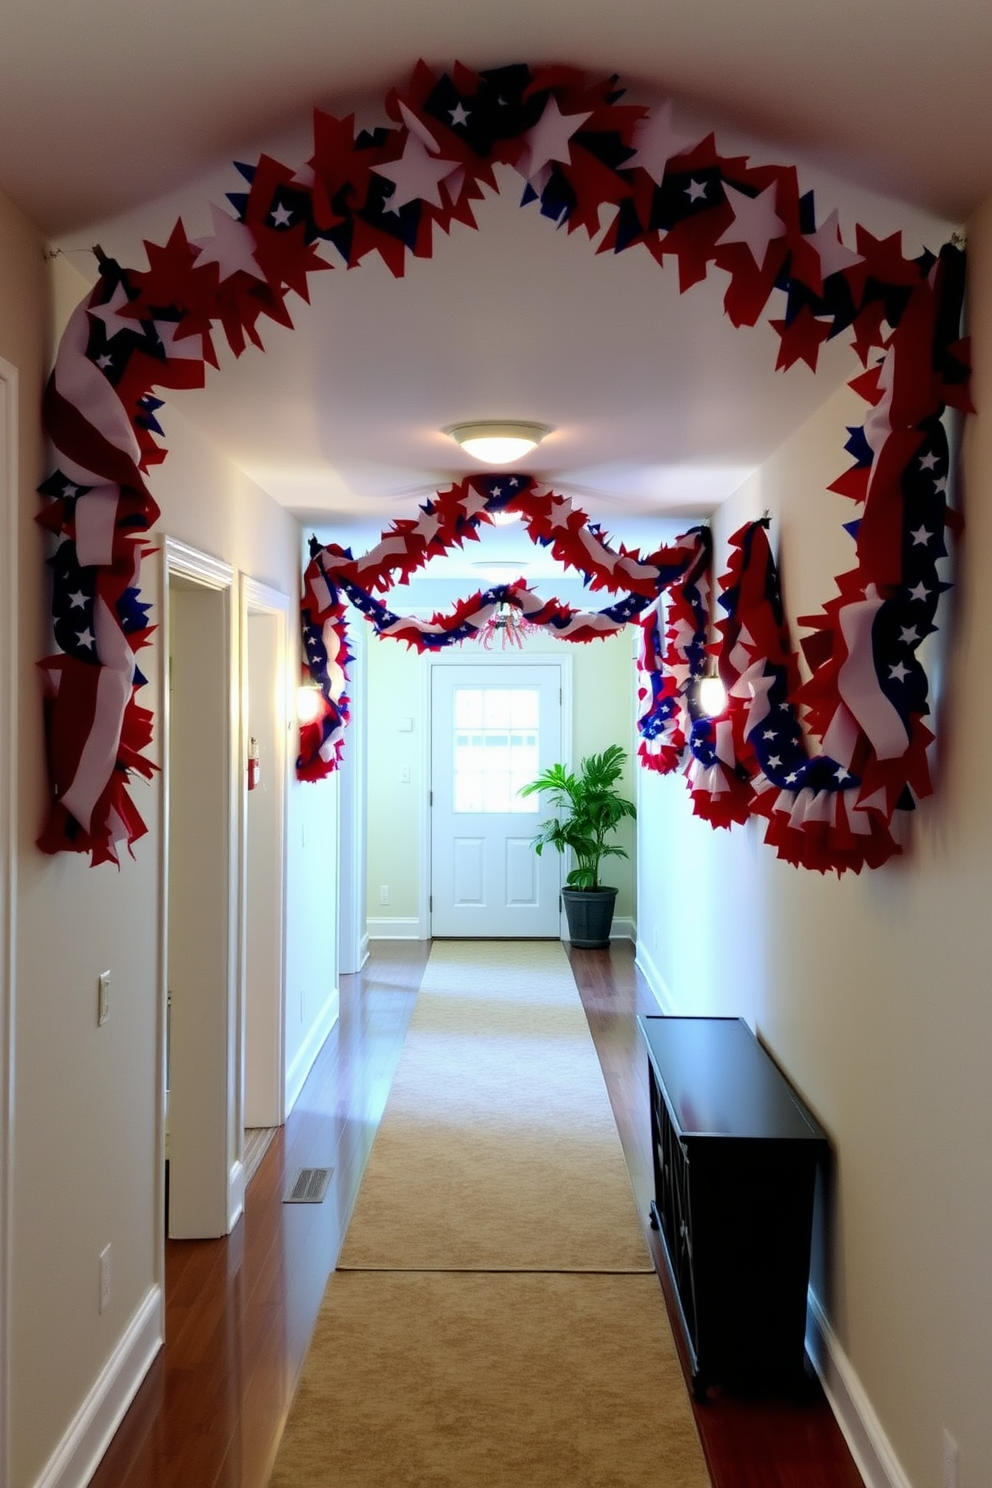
(239,1312)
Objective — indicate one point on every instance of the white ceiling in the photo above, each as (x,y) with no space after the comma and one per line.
(115,118)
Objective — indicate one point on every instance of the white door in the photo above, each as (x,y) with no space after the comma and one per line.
(494,727)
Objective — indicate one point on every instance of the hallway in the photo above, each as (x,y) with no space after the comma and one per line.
(240,1312)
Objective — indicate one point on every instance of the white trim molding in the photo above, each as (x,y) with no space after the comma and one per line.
(77,1456)
(303,1063)
(870,1447)
(655,980)
(399,927)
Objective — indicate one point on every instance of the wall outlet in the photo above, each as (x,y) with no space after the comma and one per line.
(383,893)
(103,998)
(404,774)
(948,1460)
(105,1278)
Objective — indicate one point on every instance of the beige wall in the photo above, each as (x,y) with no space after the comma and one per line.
(85,1105)
(874,992)
(603,714)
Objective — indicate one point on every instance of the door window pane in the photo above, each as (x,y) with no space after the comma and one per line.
(496,748)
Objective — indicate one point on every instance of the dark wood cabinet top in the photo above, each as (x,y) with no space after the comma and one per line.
(718,1081)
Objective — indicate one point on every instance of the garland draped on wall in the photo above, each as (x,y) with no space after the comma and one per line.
(587,159)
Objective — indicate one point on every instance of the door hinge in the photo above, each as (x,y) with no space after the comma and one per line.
(430,904)
(430,798)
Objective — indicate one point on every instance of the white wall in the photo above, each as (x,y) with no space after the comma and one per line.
(873,992)
(603,691)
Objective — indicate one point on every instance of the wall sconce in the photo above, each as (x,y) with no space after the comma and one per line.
(498,441)
(711,694)
(308,703)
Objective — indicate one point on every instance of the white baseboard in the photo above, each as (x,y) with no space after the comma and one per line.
(870,1447)
(235,1193)
(623,928)
(313,1043)
(654,978)
(78,1454)
(363,951)
(401,927)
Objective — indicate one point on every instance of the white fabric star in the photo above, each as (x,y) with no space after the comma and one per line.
(282,216)
(696,190)
(841,774)
(232,247)
(829,247)
(921,537)
(774,761)
(928,462)
(110,314)
(179,348)
(86,638)
(459,115)
(78,600)
(105,361)
(899,672)
(908,634)
(417,175)
(656,142)
(920,592)
(549,138)
(756,223)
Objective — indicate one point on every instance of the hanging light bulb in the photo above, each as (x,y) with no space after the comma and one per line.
(308,703)
(711,693)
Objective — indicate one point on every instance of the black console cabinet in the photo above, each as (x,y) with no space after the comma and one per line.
(735,1161)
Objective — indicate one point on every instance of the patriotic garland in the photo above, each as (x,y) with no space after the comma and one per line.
(586,159)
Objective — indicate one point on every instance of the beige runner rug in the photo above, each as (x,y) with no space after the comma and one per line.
(496,1328)
(498,1149)
(427,1380)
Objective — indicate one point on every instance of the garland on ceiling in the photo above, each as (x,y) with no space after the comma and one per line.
(628,178)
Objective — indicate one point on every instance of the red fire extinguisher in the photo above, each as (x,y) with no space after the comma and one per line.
(254,768)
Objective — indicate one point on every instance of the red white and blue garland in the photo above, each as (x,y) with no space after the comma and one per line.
(588,160)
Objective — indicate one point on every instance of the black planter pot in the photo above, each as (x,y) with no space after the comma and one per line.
(589,913)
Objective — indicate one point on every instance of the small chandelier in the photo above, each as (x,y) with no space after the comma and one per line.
(508,625)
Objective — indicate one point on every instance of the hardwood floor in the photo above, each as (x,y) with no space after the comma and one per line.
(239,1312)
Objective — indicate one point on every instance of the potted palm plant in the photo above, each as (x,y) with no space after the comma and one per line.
(588,808)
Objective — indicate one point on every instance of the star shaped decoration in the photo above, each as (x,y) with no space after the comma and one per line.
(232,247)
(909,635)
(827,244)
(104,362)
(176,347)
(696,190)
(110,313)
(774,761)
(792,777)
(921,592)
(656,141)
(281,216)
(840,774)
(899,672)
(549,138)
(86,638)
(77,601)
(941,485)
(921,537)
(416,176)
(756,223)
(769,734)
(459,115)
(928,461)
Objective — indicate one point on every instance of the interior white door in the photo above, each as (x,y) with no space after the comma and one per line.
(494,726)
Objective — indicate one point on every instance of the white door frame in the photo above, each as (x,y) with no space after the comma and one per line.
(9,536)
(455,656)
(259,599)
(180,560)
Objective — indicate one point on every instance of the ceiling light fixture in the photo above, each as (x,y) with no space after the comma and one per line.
(498,441)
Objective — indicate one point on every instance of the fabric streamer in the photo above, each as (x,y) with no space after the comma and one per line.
(588,160)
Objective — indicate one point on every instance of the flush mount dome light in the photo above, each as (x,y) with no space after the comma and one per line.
(498,441)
